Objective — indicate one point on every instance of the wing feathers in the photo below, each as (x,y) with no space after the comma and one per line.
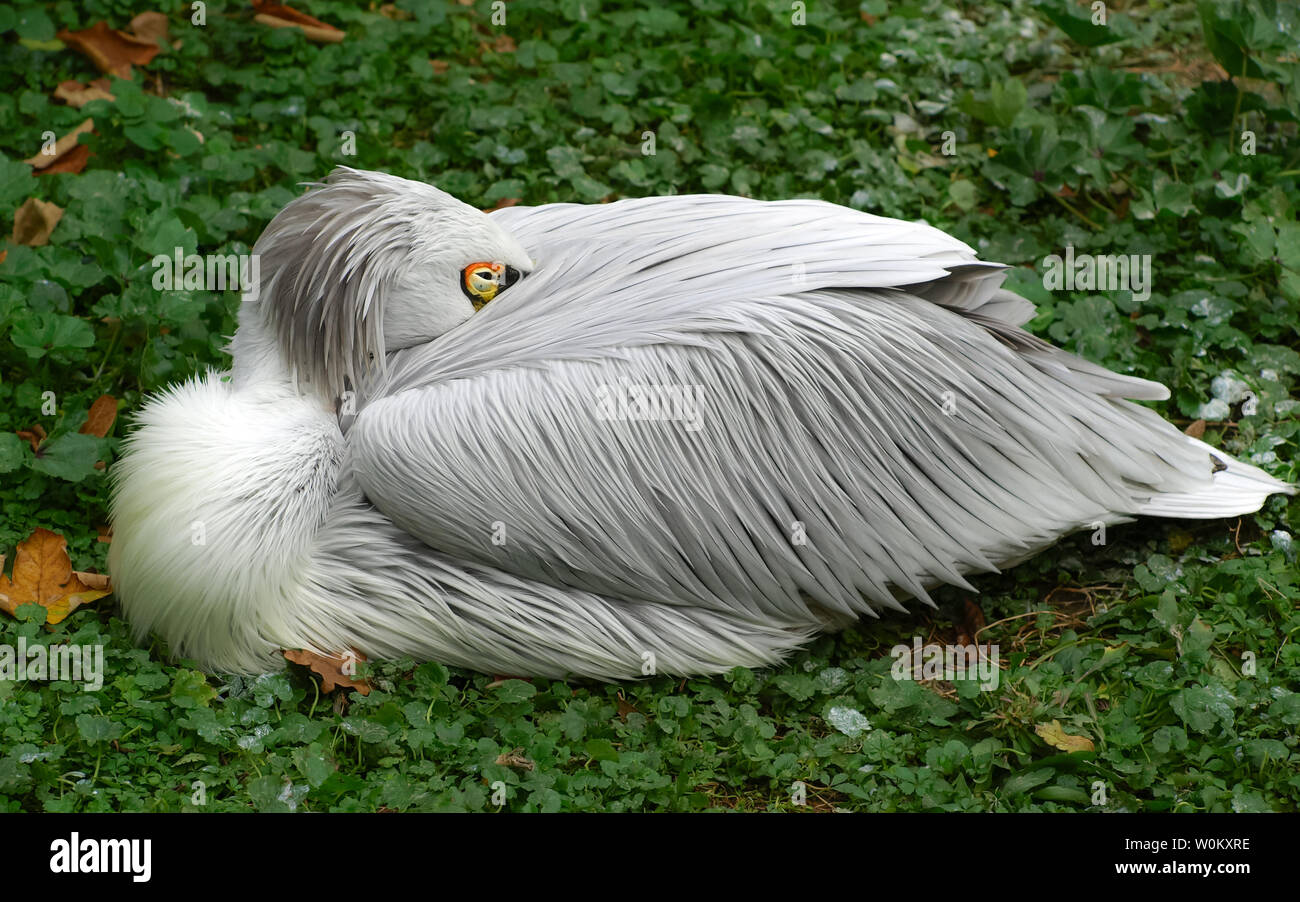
(848,442)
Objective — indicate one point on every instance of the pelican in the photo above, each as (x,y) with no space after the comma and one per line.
(663,435)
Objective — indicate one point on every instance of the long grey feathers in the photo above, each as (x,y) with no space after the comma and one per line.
(869,421)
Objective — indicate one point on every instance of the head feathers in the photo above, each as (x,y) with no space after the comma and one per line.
(331,261)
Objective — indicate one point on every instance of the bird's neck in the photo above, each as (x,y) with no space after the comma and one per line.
(260,367)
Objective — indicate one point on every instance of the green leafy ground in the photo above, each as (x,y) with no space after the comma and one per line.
(1143,651)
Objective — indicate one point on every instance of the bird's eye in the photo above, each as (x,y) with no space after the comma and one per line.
(481,282)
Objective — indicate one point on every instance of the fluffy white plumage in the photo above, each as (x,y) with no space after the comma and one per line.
(872,422)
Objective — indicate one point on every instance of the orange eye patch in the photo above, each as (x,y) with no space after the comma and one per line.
(481,282)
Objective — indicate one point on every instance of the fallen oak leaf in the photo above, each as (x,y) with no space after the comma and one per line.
(43,575)
(276,15)
(1053,735)
(65,154)
(34,221)
(77,95)
(330,669)
(113,52)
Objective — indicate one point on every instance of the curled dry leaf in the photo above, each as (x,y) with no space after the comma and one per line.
(112,51)
(276,15)
(33,436)
(516,758)
(68,155)
(1053,735)
(101,416)
(34,221)
(94,580)
(330,669)
(1196,429)
(43,575)
(77,95)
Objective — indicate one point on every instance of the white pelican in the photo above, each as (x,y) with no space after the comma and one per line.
(686,434)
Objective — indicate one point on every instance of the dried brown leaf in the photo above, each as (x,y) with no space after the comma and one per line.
(93,580)
(150,26)
(515,758)
(330,669)
(113,52)
(43,575)
(1057,738)
(101,416)
(277,15)
(77,95)
(68,155)
(33,436)
(34,221)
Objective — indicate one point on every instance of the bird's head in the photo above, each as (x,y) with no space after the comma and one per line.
(368,263)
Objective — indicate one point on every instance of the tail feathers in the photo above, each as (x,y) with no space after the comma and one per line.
(1237,489)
